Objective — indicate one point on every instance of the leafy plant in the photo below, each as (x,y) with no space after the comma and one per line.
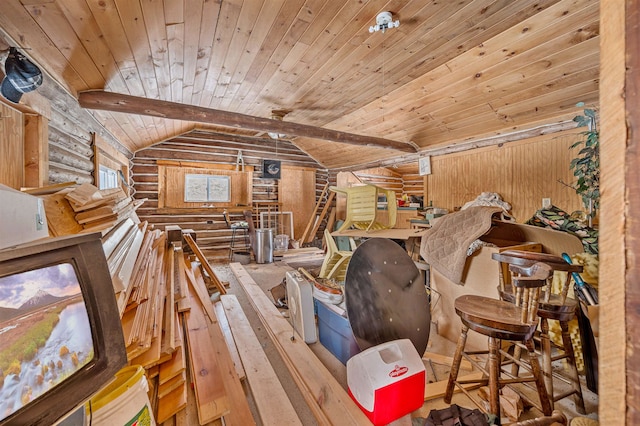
(586,165)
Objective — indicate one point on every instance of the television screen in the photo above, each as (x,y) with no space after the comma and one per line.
(46,335)
(60,332)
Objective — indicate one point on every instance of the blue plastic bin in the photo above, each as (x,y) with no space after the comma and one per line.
(334,332)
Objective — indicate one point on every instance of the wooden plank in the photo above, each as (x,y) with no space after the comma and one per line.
(168,386)
(60,216)
(212,401)
(183,302)
(169,326)
(446,360)
(123,274)
(240,413)
(197,287)
(223,321)
(205,263)
(327,399)
(83,194)
(175,366)
(111,240)
(437,389)
(47,189)
(171,403)
(102,100)
(618,270)
(272,402)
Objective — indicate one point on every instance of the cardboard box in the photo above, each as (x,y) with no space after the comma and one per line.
(22,218)
(334,331)
(481,275)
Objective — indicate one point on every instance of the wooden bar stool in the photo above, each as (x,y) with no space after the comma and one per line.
(552,306)
(501,320)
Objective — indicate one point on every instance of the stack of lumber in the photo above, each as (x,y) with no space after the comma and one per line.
(171,327)
(85,208)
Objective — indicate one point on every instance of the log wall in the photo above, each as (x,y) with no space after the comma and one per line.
(213,234)
(72,133)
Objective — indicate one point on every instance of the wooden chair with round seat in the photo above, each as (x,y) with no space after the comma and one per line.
(501,320)
(552,306)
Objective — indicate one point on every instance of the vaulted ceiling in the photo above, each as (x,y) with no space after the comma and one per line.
(453,71)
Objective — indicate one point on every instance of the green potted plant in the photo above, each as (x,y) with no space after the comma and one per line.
(586,165)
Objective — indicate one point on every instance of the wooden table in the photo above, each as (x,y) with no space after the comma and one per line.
(393,233)
(411,236)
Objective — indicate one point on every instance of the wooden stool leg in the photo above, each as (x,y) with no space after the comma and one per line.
(573,370)
(547,369)
(545,401)
(494,377)
(517,354)
(455,365)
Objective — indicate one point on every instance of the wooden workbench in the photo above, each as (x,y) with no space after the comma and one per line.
(394,233)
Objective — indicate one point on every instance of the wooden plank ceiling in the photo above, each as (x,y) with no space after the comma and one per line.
(454,71)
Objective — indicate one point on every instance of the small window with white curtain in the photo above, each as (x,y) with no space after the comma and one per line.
(108,178)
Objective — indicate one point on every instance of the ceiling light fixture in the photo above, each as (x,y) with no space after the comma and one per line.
(277,114)
(384,20)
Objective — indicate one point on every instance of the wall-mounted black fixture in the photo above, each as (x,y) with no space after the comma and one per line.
(21,76)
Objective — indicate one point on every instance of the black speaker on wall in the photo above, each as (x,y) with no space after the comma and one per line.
(271,169)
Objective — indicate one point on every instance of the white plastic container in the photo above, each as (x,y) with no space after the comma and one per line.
(281,242)
(387,381)
(301,310)
(123,401)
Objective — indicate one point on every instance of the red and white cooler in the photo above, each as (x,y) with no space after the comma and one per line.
(387,381)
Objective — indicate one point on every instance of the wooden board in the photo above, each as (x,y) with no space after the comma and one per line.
(197,287)
(211,397)
(327,399)
(205,263)
(175,366)
(172,403)
(223,321)
(60,216)
(397,234)
(437,389)
(446,360)
(297,194)
(239,410)
(270,398)
(170,385)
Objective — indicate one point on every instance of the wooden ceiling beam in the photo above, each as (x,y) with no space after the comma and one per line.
(116,102)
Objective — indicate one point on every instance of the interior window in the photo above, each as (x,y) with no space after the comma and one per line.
(108,178)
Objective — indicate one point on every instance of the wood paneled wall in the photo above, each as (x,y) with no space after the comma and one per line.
(11,147)
(522,173)
(214,237)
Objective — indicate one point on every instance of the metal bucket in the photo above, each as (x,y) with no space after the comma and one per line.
(264,245)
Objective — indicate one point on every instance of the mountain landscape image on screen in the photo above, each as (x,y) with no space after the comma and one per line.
(45,335)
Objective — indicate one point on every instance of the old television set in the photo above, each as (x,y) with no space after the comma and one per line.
(61,338)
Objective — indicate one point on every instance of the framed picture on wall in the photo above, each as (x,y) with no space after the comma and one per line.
(207,188)
(425,165)
(271,169)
